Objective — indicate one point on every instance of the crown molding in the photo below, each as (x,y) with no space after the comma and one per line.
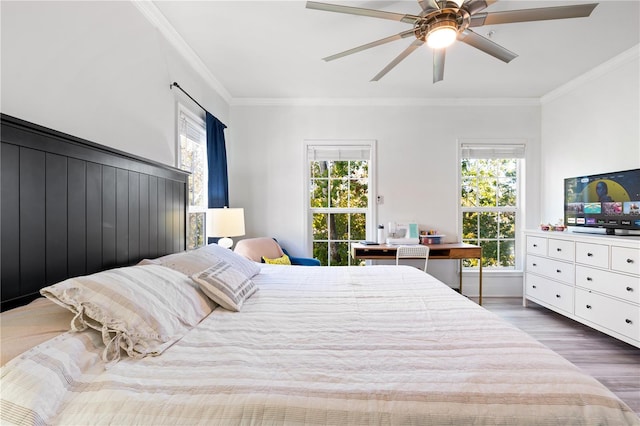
(362,102)
(158,20)
(597,72)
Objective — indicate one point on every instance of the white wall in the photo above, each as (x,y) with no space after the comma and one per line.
(591,126)
(99,71)
(417,162)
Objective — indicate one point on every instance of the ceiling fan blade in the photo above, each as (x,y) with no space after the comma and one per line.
(413,46)
(475,6)
(410,19)
(389,39)
(438,64)
(428,5)
(486,45)
(527,15)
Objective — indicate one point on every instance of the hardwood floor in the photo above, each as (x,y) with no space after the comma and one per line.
(614,363)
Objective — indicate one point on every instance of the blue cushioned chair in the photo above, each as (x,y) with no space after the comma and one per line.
(304,261)
(257,248)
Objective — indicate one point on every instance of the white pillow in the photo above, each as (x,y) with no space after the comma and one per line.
(215,252)
(141,309)
(191,262)
(225,285)
(188,262)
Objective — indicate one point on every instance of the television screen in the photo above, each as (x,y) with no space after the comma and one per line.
(607,200)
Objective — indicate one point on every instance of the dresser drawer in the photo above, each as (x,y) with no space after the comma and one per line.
(625,259)
(592,254)
(592,279)
(618,285)
(561,249)
(550,292)
(615,315)
(550,268)
(537,245)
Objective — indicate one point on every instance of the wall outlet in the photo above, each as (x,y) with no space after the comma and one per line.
(380,199)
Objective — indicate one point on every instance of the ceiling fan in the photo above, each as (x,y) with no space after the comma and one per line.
(441,22)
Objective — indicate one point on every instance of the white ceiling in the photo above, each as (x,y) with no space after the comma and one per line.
(274,49)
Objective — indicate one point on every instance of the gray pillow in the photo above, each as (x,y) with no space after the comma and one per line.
(225,285)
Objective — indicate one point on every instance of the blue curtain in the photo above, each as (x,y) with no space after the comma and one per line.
(217,162)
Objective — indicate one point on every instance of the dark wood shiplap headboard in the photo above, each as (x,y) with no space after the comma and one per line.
(71,207)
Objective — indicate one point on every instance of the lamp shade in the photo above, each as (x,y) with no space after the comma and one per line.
(225,222)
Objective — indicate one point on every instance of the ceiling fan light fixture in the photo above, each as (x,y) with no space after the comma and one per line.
(442,34)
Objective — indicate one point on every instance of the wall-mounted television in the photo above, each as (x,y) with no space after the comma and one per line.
(607,200)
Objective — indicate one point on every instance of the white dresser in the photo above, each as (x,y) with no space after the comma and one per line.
(593,279)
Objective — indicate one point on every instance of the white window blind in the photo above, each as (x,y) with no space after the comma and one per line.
(478,151)
(339,153)
(192,130)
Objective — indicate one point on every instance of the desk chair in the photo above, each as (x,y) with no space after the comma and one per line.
(413,252)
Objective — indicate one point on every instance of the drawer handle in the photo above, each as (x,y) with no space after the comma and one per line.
(535,286)
(629,260)
(558,271)
(628,321)
(589,279)
(534,264)
(590,254)
(558,296)
(558,249)
(535,245)
(588,306)
(629,288)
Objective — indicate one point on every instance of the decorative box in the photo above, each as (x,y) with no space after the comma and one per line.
(431,239)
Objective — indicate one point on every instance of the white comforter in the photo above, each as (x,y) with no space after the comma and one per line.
(318,346)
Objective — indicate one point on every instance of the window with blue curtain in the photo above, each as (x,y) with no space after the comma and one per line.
(192,157)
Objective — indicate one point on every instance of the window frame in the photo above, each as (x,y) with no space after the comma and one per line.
(370,211)
(519,147)
(201,124)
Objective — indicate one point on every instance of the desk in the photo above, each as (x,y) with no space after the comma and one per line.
(436,251)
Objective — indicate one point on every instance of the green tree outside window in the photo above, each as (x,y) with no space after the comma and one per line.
(193,158)
(489,209)
(339,198)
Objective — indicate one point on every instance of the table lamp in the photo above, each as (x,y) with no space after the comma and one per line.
(225,223)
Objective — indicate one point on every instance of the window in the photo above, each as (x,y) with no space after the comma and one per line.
(192,157)
(490,178)
(340,206)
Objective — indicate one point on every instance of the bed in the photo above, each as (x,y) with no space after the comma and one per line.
(210,337)
(317,346)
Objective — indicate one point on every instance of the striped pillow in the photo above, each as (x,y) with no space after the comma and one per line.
(140,309)
(225,285)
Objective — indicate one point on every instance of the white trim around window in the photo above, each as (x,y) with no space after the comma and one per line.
(498,148)
(346,149)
